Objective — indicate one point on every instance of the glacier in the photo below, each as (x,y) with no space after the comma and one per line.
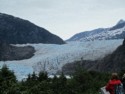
(51,57)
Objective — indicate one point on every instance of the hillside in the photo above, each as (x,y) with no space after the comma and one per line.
(114,61)
(15,30)
(115,32)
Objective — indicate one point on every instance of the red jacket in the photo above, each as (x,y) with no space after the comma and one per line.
(111,84)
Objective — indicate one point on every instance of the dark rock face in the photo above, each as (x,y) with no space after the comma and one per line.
(14,30)
(9,52)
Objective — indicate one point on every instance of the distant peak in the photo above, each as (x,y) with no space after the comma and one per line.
(121,21)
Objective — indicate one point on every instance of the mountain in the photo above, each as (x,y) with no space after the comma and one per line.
(115,32)
(14,30)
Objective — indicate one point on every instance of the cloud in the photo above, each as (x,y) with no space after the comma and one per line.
(64,16)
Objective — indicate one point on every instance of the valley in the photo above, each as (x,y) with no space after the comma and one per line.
(52,57)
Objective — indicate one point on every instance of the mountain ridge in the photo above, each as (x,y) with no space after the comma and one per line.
(115,32)
(14,30)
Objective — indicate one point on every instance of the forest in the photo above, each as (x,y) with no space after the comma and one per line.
(81,82)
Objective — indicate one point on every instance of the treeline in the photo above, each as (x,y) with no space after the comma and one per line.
(81,82)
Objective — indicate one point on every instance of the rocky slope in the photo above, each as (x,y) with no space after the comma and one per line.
(9,52)
(14,30)
(115,32)
(114,61)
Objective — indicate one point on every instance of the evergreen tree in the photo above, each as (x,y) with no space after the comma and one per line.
(54,79)
(33,77)
(29,77)
(6,74)
(62,80)
(7,80)
(42,76)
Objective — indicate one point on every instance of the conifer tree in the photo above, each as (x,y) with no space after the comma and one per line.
(7,79)
(42,76)
(33,77)
(7,74)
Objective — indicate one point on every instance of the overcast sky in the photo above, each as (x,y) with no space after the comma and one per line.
(67,17)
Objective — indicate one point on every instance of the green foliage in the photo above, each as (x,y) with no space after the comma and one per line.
(42,76)
(7,81)
(82,82)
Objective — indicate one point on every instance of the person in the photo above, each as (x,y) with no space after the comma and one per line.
(112,83)
(123,81)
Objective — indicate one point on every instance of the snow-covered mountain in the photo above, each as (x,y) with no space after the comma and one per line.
(115,32)
(52,57)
